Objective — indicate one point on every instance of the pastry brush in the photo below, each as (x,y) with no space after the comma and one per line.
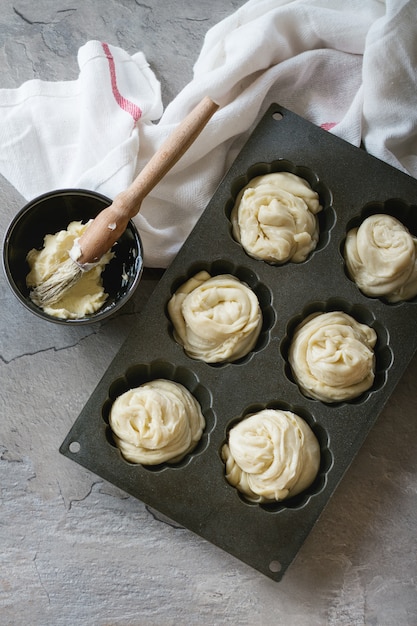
(111,222)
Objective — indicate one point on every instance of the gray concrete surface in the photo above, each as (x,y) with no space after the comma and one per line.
(75,550)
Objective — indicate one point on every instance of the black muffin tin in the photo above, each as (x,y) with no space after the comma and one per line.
(195,493)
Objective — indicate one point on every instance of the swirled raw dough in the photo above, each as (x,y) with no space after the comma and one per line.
(215,318)
(157,422)
(275,218)
(332,357)
(87,296)
(381,257)
(271,455)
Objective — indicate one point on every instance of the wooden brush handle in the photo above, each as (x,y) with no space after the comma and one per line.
(111,223)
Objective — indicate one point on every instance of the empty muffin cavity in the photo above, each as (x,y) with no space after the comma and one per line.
(336,352)
(158,415)
(380,251)
(280,212)
(276,456)
(220,313)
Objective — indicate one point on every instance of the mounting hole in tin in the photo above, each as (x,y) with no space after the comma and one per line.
(245,275)
(394,207)
(275,566)
(277,116)
(382,350)
(326,217)
(74,447)
(139,374)
(302,499)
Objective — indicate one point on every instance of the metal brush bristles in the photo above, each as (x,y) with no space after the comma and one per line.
(50,291)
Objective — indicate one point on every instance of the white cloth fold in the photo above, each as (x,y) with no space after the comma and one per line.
(348,67)
(81,133)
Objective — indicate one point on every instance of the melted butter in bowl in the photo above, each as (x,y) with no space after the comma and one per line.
(87,296)
(50,214)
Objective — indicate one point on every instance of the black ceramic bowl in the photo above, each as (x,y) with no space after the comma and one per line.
(52,212)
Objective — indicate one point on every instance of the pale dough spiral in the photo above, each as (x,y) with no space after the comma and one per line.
(271,455)
(275,218)
(215,318)
(332,357)
(157,422)
(381,257)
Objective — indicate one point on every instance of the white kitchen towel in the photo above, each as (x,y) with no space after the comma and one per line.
(349,67)
(81,133)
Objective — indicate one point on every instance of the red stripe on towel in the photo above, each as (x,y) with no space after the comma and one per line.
(126,105)
(328,125)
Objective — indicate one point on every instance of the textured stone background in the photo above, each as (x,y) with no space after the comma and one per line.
(75,550)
